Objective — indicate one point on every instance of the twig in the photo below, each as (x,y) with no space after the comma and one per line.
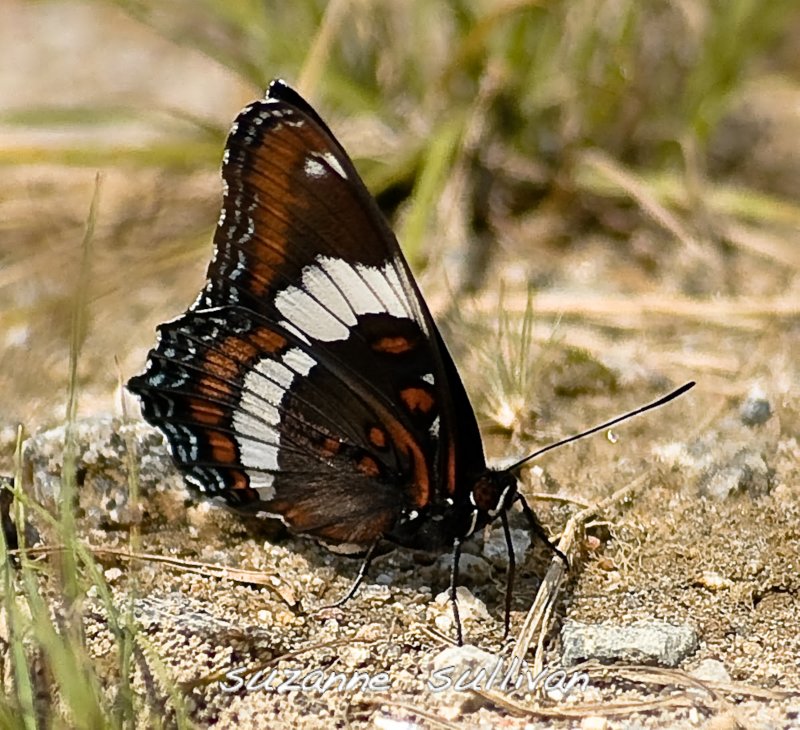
(640,191)
(723,311)
(237,575)
(665,676)
(604,709)
(560,498)
(662,677)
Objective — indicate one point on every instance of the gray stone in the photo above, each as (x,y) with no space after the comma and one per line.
(720,466)
(102,465)
(472,569)
(756,408)
(496,550)
(650,642)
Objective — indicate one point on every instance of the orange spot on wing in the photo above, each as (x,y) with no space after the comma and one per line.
(268,340)
(451,469)
(242,492)
(212,387)
(421,485)
(206,413)
(368,466)
(417,399)
(406,444)
(223,449)
(268,176)
(330,446)
(393,345)
(225,363)
(236,353)
(377,437)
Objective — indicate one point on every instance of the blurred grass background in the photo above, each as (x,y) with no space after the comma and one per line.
(609,146)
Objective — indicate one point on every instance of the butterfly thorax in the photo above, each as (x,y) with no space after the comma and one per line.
(436,527)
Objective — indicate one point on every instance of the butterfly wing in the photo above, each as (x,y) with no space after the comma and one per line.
(308,379)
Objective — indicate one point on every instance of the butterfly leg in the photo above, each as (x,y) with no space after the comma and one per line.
(538,530)
(512,567)
(362,572)
(453,584)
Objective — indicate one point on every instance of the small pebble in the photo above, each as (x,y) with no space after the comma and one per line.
(470,609)
(714,581)
(459,659)
(755,409)
(113,574)
(711,670)
(594,722)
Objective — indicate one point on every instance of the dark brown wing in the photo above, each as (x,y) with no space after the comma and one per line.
(308,379)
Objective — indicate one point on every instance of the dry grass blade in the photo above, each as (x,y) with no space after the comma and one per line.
(677,677)
(23,680)
(237,575)
(559,498)
(536,622)
(697,693)
(638,311)
(435,635)
(604,709)
(320,50)
(781,249)
(637,189)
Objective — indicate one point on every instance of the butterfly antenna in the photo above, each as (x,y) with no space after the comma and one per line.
(608,424)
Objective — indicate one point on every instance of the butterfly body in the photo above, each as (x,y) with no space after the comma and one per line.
(308,381)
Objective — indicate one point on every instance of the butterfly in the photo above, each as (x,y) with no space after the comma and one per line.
(308,381)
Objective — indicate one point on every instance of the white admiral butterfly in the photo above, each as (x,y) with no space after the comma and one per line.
(309,381)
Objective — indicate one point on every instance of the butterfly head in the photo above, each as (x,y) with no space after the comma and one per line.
(493,492)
